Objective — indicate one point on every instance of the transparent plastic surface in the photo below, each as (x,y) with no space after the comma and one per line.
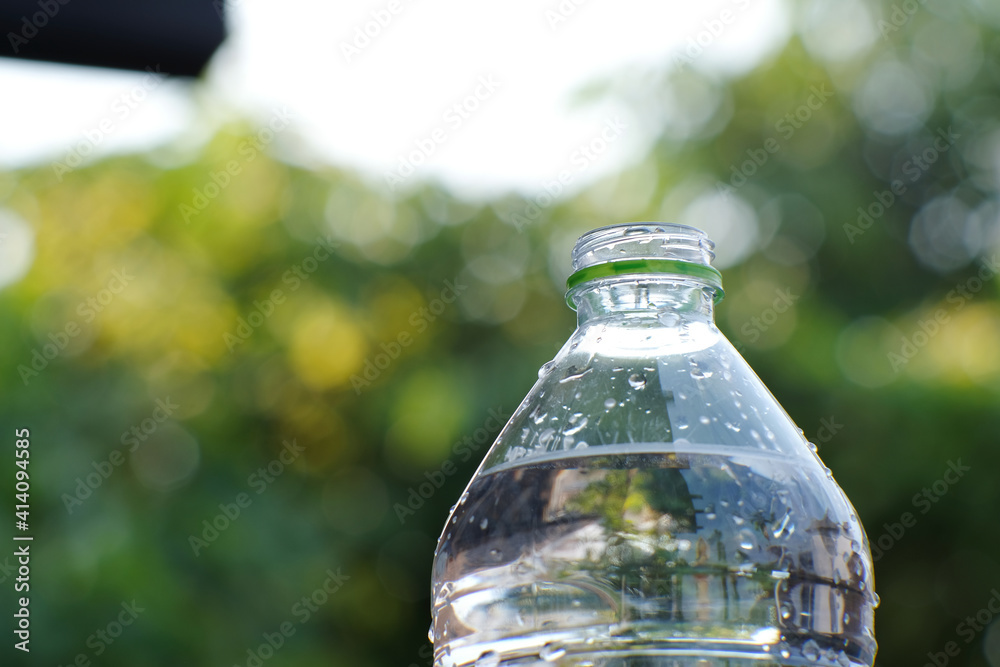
(650,503)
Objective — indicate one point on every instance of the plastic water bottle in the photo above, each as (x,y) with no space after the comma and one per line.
(650,502)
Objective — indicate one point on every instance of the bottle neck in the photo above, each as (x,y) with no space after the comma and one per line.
(650,299)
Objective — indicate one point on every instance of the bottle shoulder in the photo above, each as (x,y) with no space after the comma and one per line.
(648,390)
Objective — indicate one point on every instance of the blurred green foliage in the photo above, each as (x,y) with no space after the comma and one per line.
(306,306)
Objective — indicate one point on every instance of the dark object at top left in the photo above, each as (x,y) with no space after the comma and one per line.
(175,37)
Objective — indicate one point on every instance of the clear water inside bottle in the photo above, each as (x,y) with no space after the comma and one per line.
(650,502)
(647,554)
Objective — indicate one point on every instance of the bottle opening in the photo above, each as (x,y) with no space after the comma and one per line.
(643,240)
(644,248)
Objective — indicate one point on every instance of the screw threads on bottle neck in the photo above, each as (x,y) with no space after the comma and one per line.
(643,241)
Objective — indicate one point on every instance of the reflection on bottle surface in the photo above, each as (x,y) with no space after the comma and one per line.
(699,552)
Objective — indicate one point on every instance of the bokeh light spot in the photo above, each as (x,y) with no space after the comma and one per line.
(837,32)
(862,351)
(426,418)
(939,237)
(167,458)
(727,219)
(327,346)
(893,99)
(17,247)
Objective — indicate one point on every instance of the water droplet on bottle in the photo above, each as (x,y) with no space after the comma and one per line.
(610,403)
(544,369)
(738,520)
(747,541)
(537,415)
(488,659)
(699,373)
(710,516)
(496,554)
(847,618)
(484,523)
(545,437)
(877,599)
(786,610)
(785,653)
(668,318)
(430,633)
(778,529)
(552,651)
(573,373)
(637,381)
(704,420)
(681,423)
(732,427)
(811,650)
(443,595)
(575,425)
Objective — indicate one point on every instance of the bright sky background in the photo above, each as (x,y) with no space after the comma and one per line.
(371,110)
